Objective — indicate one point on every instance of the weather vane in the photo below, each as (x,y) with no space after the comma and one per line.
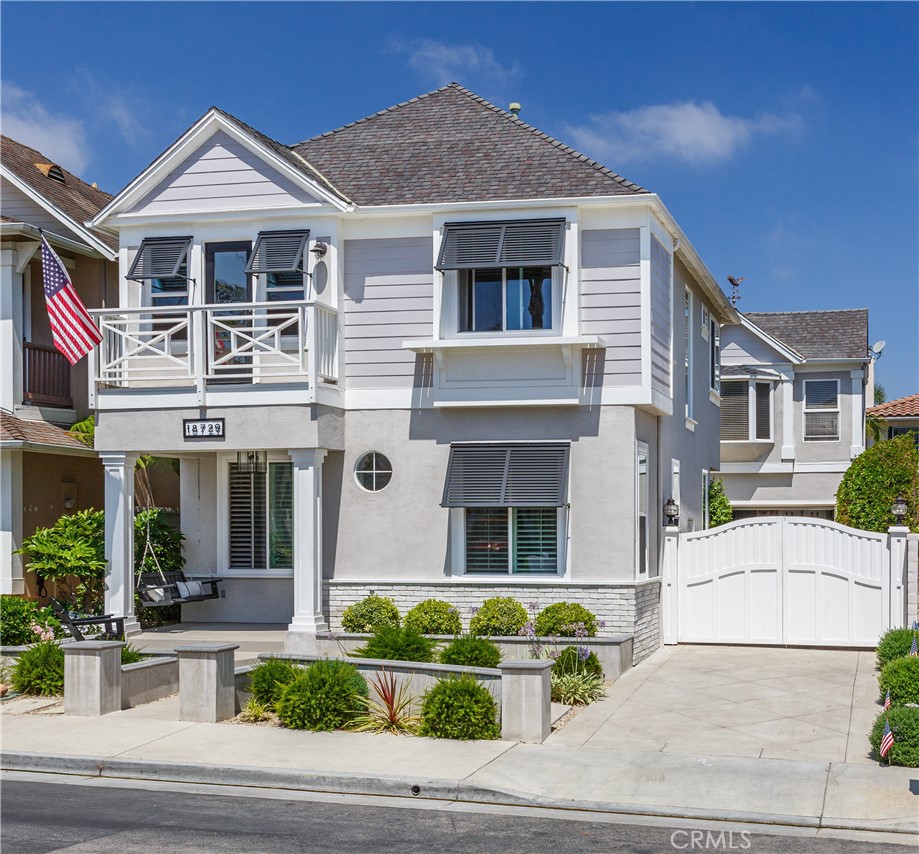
(735,288)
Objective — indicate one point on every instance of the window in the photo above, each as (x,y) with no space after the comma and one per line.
(261,520)
(161,264)
(687,350)
(373,471)
(746,411)
(279,256)
(226,279)
(714,354)
(821,410)
(508,299)
(510,501)
(641,505)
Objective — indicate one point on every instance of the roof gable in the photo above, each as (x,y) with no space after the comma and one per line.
(841,334)
(745,343)
(450,145)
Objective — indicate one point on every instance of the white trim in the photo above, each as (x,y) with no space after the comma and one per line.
(691,424)
(688,332)
(805,411)
(644,256)
(829,467)
(794,502)
(792,356)
(639,448)
(706,509)
(469,580)
(785,467)
(752,424)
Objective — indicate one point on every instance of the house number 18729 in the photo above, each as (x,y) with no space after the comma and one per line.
(203,428)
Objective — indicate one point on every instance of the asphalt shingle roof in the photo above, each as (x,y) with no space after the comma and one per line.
(74,198)
(818,334)
(14,429)
(450,145)
(902,407)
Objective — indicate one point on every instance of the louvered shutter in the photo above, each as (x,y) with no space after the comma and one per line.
(278,252)
(159,258)
(247,519)
(507,475)
(735,411)
(480,245)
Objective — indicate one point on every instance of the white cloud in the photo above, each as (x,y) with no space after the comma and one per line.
(439,63)
(60,137)
(111,104)
(693,132)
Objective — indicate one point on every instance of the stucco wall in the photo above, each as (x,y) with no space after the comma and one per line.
(814,487)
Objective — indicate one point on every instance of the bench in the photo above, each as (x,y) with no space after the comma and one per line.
(159,589)
(113,626)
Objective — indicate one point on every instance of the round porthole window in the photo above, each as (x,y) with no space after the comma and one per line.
(373,471)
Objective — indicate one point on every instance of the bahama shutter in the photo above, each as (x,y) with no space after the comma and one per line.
(526,474)
(160,258)
(515,243)
(278,252)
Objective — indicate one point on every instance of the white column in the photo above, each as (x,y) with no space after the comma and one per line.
(11,580)
(10,330)
(898,594)
(119,537)
(858,412)
(670,568)
(307,480)
(788,415)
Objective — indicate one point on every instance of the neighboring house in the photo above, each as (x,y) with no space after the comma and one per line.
(793,398)
(44,472)
(900,416)
(433,353)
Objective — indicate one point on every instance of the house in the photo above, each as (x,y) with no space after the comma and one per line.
(432,353)
(793,401)
(898,416)
(44,471)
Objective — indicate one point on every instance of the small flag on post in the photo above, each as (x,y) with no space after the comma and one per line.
(72,328)
(887,700)
(914,647)
(887,740)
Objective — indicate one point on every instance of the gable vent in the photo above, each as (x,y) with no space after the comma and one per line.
(535,242)
(51,171)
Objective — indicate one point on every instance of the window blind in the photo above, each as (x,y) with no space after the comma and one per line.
(735,412)
(763,400)
(247,519)
(470,245)
(159,258)
(821,410)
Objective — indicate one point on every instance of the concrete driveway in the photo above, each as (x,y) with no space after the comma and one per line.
(809,704)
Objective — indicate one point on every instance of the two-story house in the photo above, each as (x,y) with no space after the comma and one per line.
(793,400)
(44,472)
(432,353)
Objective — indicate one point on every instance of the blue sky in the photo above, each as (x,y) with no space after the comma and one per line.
(782,136)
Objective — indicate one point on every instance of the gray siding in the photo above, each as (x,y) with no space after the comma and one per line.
(17,205)
(739,346)
(660,318)
(611,299)
(222,175)
(389,297)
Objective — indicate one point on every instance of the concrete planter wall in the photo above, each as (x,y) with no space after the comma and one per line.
(149,680)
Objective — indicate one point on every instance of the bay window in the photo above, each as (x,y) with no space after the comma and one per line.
(746,411)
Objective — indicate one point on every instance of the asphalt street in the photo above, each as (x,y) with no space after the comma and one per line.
(41,813)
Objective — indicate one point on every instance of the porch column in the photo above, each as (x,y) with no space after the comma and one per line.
(119,537)
(10,330)
(307,484)
(11,579)
(788,413)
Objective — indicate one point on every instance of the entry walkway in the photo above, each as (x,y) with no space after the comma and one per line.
(815,705)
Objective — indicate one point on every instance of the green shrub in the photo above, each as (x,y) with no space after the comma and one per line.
(130,654)
(254,712)
(894,643)
(904,724)
(471,651)
(370,614)
(459,707)
(720,511)
(325,696)
(395,644)
(572,660)
(164,549)
(577,689)
(562,619)
(500,616)
(434,617)
(901,678)
(18,616)
(40,670)
(874,479)
(269,678)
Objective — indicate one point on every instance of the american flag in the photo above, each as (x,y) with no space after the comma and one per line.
(914,648)
(887,700)
(887,740)
(72,328)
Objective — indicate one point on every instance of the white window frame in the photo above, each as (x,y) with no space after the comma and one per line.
(805,412)
(688,305)
(714,356)
(706,484)
(458,550)
(752,382)
(642,447)
(223,520)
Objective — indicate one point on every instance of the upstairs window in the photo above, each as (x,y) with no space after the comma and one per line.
(821,410)
(746,411)
(161,264)
(504,273)
(279,255)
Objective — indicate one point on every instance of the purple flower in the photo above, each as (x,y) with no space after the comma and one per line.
(601,624)
(473,610)
(554,655)
(583,653)
(533,606)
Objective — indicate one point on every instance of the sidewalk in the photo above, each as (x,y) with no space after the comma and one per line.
(149,743)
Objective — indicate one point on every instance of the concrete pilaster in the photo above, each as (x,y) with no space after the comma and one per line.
(207,683)
(670,585)
(526,699)
(898,581)
(92,678)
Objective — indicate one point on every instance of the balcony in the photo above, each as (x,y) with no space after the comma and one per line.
(46,377)
(220,354)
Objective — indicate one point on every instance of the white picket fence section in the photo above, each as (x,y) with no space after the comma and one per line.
(783,580)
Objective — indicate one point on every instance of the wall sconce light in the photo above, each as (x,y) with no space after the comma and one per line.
(671,512)
(319,249)
(69,503)
(899,508)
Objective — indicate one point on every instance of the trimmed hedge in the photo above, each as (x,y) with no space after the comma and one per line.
(904,724)
(370,614)
(325,696)
(434,617)
(269,679)
(901,678)
(894,643)
(561,619)
(40,670)
(500,616)
(459,707)
(397,644)
(471,651)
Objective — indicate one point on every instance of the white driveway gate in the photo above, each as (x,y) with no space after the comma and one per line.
(783,580)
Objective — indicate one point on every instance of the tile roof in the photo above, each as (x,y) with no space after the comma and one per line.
(818,334)
(14,429)
(74,198)
(450,145)
(902,407)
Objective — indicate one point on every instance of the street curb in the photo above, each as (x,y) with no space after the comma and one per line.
(440,789)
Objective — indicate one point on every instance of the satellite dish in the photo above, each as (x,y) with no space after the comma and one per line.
(878,346)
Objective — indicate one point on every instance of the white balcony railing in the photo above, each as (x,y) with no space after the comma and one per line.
(207,346)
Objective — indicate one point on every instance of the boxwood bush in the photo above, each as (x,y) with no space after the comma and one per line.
(434,617)
(901,678)
(471,651)
(269,678)
(397,644)
(904,724)
(40,670)
(370,614)
(894,643)
(500,616)
(572,660)
(325,696)
(459,707)
(561,619)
